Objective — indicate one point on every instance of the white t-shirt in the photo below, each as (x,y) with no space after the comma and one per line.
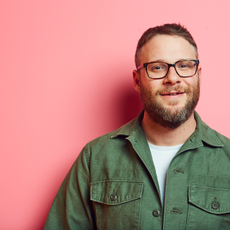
(162,156)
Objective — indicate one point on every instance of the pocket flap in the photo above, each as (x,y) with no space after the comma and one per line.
(114,192)
(213,200)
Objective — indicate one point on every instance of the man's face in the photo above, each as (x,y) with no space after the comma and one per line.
(170,101)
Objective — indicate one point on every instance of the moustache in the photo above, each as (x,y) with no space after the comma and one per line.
(173,88)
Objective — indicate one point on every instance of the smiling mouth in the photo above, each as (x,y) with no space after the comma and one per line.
(171,94)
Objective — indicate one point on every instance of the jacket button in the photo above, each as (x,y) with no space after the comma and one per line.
(215,205)
(113,197)
(156,212)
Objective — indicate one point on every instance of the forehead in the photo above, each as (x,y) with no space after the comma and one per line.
(169,48)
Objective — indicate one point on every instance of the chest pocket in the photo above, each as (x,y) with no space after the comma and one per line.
(117,204)
(209,208)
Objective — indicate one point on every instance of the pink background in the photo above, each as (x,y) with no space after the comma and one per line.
(66,78)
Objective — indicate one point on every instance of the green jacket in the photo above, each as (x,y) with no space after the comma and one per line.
(113,185)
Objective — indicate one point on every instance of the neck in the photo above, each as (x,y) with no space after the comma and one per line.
(161,136)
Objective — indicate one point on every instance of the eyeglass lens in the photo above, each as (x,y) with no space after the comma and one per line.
(183,68)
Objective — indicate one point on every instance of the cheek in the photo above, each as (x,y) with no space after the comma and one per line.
(193,87)
(155,86)
(191,83)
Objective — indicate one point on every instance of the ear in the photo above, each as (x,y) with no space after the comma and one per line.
(136,80)
(199,72)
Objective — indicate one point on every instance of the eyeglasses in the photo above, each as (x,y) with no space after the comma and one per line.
(158,69)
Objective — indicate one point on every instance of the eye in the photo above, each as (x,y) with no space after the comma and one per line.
(185,65)
(157,67)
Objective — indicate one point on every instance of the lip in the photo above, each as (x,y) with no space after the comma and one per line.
(173,94)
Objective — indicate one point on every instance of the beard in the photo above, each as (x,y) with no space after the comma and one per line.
(169,117)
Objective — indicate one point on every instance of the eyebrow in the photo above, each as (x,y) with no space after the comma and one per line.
(161,60)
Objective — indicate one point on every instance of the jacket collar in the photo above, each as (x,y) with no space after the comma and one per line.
(128,128)
(203,132)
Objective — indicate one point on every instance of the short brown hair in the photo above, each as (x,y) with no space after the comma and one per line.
(167,29)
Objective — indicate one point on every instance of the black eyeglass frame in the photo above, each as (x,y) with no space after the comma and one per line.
(169,65)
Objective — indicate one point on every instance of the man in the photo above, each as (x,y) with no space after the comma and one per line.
(166,169)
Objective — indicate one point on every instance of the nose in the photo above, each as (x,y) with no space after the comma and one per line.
(172,77)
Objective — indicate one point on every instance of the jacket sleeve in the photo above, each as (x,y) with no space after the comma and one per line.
(72,208)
